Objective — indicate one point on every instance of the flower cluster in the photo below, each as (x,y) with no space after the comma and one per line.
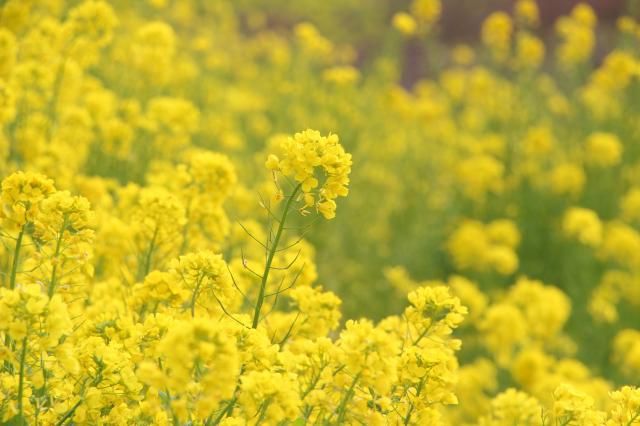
(319,164)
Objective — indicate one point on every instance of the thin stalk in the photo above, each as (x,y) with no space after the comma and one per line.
(44,375)
(12,285)
(421,336)
(23,356)
(42,392)
(185,232)
(307,409)
(411,407)
(195,295)
(228,409)
(57,84)
(224,411)
(148,257)
(69,413)
(16,259)
(271,254)
(633,419)
(343,404)
(54,270)
(12,279)
(263,412)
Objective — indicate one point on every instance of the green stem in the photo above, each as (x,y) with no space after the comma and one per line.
(12,281)
(44,376)
(16,259)
(228,409)
(147,260)
(41,393)
(225,411)
(411,407)
(23,356)
(343,404)
(312,385)
(421,336)
(174,418)
(307,409)
(57,84)
(263,412)
(195,295)
(185,232)
(69,413)
(54,270)
(633,419)
(272,252)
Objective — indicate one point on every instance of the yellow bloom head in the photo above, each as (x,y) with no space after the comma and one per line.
(319,164)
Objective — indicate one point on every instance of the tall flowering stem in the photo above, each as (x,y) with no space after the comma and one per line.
(23,355)
(303,157)
(272,251)
(16,259)
(52,281)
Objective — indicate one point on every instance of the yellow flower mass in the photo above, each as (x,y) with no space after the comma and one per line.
(318,213)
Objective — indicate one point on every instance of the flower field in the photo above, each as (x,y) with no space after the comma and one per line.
(241,212)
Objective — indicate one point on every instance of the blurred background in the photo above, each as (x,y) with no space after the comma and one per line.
(476,128)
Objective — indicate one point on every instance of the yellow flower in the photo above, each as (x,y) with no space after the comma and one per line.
(496,34)
(620,243)
(627,406)
(526,11)
(404,23)
(343,75)
(327,209)
(320,311)
(307,155)
(545,308)
(572,406)
(94,20)
(22,194)
(630,205)
(7,103)
(277,388)
(272,163)
(567,179)
(503,259)
(153,50)
(515,407)
(577,33)
(312,41)
(426,12)
(503,328)
(504,231)
(463,54)
(529,51)
(626,351)
(8,52)
(583,224)
(603,150)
